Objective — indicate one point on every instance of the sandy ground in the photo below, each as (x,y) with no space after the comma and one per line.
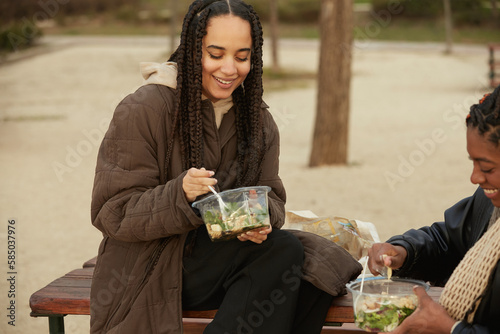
(407,154)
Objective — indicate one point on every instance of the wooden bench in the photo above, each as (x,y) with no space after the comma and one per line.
(494,73)
(70,295)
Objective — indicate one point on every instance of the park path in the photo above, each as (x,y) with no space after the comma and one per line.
(407,148)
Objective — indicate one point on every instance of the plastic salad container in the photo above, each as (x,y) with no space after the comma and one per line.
(234,211)
(384,303)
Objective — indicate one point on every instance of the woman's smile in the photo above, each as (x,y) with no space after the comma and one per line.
(225,82)
(490,193)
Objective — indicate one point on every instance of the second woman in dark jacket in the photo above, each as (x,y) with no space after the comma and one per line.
(463,252)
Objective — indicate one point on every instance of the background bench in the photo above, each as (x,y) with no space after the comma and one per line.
(494,74)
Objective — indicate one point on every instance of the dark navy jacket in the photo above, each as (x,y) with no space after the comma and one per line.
(434,252)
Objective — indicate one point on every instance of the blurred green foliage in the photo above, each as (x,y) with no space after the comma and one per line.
(39,10)
(290,11)
(18,36)
(411,8)
(20,19)
(465,12)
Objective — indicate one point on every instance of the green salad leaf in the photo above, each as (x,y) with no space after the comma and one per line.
(384,319)
(235,218)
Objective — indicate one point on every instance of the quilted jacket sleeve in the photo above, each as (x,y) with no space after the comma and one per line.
(270,173)
(129,203)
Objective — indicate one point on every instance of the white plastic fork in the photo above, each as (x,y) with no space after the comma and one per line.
(221,202)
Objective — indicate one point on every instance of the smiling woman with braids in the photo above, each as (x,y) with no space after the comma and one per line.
(463,252)
(200,121)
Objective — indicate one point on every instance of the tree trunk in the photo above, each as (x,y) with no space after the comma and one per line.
(274,23)
(494,9)
(330,138)
(173,25)
(448,23)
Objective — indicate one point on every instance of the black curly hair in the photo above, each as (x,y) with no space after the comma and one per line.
(247,98)
(485,116)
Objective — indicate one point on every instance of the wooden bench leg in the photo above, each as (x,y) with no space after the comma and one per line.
(56,324)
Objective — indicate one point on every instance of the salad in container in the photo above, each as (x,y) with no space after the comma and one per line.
(232,212)
(383,303)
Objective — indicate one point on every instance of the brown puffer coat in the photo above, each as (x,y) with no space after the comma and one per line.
(139,205)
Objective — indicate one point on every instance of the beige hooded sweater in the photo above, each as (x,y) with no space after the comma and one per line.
(166,74)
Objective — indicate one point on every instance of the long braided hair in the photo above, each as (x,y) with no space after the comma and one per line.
(247,98)
(485,116)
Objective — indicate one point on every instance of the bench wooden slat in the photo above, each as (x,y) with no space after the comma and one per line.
(69,294)
(197,326)
(90,263)
(78,282)
(199,314)
(340,311)
(83,272)
(60,300)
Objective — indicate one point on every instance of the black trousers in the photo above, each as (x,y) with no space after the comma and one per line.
(257,288)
